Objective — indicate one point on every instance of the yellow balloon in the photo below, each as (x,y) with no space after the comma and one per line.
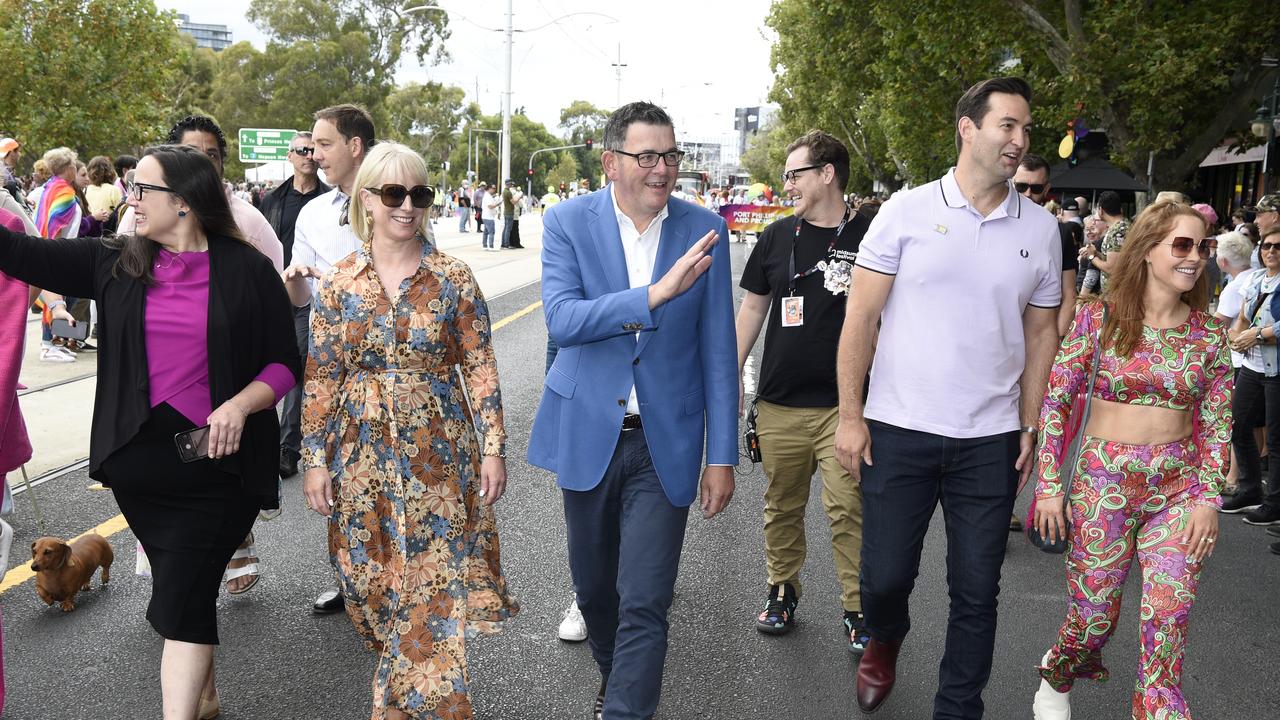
(1066,146)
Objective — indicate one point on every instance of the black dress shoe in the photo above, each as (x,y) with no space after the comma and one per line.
(330,601)
(597,710)
(289,463)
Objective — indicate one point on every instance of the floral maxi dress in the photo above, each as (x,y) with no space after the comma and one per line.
(415,550)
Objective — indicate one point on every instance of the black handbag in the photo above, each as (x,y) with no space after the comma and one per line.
(1070,458)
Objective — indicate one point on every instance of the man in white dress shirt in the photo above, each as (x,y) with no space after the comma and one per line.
(322,235)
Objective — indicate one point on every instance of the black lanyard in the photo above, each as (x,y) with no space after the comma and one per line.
(791,267)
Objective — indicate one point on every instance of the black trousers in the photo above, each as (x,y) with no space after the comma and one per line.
(1255,395)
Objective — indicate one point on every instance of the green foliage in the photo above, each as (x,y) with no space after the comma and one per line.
(1163,76)
(566,171)
(98,76)
(582,121)
(526,136)
(426,118)
(766,154)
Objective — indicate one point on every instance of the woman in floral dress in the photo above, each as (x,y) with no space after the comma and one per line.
(391,449)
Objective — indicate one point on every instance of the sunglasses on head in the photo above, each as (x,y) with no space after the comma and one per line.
(393,195)
(1181,246)
(1036,188)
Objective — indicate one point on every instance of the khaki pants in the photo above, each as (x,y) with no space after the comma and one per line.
(795,442)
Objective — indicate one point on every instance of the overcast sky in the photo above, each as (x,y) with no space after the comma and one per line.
(699,60)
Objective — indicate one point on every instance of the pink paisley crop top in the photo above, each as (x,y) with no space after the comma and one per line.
(1187,367)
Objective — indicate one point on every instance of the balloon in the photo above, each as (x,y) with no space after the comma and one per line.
(1066,146)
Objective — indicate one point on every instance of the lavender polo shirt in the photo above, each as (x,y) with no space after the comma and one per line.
(951,347)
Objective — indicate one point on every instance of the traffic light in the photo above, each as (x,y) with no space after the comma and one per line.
(530,172)
(590,143)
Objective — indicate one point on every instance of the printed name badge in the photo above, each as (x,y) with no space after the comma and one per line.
(793,311)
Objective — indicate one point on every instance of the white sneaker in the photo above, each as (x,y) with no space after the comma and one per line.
(53,353)
(573,628)
(1049,704)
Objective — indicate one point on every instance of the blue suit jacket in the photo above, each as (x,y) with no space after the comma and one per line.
(684,365)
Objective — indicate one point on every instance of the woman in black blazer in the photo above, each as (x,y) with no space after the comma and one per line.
(195,329)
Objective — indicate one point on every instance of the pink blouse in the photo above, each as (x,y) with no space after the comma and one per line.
(177,325)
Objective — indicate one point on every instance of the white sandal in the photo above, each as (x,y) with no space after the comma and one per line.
(246,550)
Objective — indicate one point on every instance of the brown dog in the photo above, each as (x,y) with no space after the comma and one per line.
(62,569)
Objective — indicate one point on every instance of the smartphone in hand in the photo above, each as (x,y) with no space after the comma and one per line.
(64,329)
(193,444)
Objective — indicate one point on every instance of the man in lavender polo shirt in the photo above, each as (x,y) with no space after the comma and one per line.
(964,276)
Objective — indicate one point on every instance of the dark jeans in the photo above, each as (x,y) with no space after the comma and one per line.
(506,230)
(1257,394)
(625,538)
(291,413)
(552,350)
(975,480)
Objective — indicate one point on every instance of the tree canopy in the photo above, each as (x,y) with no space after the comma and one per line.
(1171,78)
(94,75)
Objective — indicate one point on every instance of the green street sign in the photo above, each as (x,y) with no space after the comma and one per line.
(265,144)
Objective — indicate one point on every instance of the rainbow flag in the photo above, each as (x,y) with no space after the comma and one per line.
(57,208)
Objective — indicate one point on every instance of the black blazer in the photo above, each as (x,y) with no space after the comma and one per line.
(250,326)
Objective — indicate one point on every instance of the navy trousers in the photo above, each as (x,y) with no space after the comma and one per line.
(975,480)
(625,538)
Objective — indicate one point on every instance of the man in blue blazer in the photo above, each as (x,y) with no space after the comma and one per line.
(636,290)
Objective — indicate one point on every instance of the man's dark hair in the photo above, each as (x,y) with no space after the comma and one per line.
(825,148)
(352,121)
(1109,201)
(974,104)
(1034,163)
(615,131)
(198,123)
(125,163)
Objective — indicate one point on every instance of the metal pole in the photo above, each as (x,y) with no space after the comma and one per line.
(506,108)
(468,153)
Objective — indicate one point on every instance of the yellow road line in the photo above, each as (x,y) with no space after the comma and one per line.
(23,573)
(517,315)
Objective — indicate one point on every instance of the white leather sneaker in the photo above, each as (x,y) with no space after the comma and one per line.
(1049,704)
(573,628)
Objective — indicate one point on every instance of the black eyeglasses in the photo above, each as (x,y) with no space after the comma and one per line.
(1181,246)
(303,151)
(650,159)
(135,190)
(393,195)
(790,175)
(1035,188)
(1266,246)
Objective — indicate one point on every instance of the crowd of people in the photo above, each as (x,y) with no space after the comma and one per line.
(330,300)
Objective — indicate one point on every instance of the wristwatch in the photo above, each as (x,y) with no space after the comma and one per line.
(1029,429)
(1259,338)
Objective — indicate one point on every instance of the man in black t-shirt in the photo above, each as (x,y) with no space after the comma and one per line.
(799,275)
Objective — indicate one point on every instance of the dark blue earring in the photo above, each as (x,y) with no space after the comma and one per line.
(182,213)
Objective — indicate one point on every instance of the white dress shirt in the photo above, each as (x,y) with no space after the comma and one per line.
(641,252)
(318,239)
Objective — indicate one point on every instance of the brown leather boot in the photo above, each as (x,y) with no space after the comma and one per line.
(877,672)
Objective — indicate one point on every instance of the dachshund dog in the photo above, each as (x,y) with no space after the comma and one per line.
(63,569)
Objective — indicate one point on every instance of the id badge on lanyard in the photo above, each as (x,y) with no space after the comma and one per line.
(792,304)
